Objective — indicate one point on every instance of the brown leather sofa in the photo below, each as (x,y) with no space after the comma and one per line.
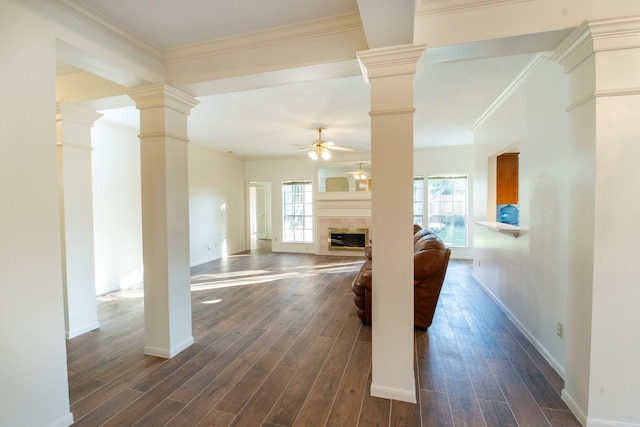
(430,261)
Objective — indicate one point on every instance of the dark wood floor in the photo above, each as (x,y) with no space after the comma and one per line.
(278,344)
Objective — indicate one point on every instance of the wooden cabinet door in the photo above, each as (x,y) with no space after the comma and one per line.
(507,179)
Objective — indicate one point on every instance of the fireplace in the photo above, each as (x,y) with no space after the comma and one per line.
(347,239)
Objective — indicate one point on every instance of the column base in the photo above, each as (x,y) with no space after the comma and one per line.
(168,353)
(393,393)
(79,331)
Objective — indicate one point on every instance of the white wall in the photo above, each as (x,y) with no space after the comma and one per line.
(529,274)
(217,223)
(448,161)
(216,206)
(458,160)
(33,372)
(117,211)
(276,171)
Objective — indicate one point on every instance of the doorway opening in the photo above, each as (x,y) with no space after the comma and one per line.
(259,214)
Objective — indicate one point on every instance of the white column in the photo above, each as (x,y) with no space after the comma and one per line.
(390,73)
(602,59)
(165,217)
(76,217)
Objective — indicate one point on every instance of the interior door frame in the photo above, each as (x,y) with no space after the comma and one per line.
(266,186)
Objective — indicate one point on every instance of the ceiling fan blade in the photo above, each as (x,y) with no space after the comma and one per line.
(338,147)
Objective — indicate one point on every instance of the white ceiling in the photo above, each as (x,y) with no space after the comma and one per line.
(451,92)
(168,24)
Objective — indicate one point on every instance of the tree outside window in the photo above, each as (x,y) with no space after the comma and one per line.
(448,203)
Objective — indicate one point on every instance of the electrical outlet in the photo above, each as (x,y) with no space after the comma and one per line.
(559,329)
(479,263)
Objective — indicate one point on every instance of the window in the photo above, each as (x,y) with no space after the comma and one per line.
(418,199)
(448,208)
(298,214)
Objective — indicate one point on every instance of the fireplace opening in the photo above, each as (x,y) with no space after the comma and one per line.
(347,239)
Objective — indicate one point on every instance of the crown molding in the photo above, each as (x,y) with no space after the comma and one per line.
(286,34)
(598,35)
(574,49)
(101,22)
(442,7)
(520,79)
(615,34)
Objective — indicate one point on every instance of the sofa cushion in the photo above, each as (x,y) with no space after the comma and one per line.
(430,261)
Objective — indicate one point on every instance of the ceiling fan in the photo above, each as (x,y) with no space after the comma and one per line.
(360,174)
(320,148)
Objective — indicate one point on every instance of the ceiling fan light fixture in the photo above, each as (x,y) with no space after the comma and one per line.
(360,176)
(319,148)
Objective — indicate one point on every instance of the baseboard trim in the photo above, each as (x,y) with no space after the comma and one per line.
(83,330)
(64,421)
(393,393)
(605,423)
(573,407)
(532,339)
(591,422)
(168,353)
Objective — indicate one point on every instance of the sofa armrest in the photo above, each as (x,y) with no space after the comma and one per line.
(429,258)
(368,252)
(365,280)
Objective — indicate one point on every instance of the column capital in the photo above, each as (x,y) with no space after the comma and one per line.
(390,61)
(597,36)
(162,95)
(76,114)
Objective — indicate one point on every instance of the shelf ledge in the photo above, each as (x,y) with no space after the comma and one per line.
(508,229)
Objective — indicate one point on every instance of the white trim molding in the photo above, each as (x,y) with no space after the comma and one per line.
(259,39)
(100,21)
(441,7)
(393,393)
(162,95)
(594,422)
(168,353)
(543,351)
(574,49)
(573,407)
(599,35)
(149,135)
(513,86)
(64,421)
(79,331)
(73,113)
(390,61)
